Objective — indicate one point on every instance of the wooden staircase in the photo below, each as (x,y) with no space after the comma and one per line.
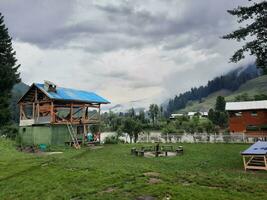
(73,136)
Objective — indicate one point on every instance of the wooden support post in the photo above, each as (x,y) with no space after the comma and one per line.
(86,113)
(38,111)
(245,164)
(83,114)
(84,133)
(265,162)
(33,110)
(52,112)
(35,95)
(71,112)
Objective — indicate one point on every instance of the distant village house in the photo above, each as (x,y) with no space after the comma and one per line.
(189,114)
(249,117)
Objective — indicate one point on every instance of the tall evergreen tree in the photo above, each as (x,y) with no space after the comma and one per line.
(153,112)
(9,74)
(256,30)
(220,104)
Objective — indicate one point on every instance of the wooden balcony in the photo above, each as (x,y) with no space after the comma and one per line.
(58,113)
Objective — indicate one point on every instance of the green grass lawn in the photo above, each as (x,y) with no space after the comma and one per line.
(205,171)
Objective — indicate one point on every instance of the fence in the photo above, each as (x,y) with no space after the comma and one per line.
(199,138)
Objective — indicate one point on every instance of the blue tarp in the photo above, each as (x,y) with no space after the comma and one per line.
(259,148)
(68,94)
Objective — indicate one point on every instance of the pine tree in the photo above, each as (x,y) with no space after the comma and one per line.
(256,30)
(9,75)
(220,104)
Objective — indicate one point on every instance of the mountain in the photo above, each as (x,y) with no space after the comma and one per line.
(250,88)
(17,92)
(122,108)
(222,85)
(138,105)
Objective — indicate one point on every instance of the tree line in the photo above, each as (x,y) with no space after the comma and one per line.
(131,124)
(231,81)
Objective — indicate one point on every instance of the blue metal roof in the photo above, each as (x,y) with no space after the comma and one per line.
(68,94)
(259,148)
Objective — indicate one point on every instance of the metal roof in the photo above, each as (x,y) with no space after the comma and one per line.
(259,148)
(246,105)
(68,94)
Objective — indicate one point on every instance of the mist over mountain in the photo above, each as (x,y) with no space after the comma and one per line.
(230,81)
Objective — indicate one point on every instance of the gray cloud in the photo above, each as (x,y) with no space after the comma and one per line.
(124,49)
(37,22)
(112,27)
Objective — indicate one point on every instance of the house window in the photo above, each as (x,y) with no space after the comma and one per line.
(254,113)
(238,114)
(252,128)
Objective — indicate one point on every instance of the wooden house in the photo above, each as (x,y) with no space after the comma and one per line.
(55,116)
(249,117)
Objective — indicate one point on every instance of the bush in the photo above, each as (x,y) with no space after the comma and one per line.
(111,140)
(226,132)
(200,129)
(9,131)
(180,131)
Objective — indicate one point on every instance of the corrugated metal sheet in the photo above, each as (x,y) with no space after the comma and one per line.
(49,135)
(72,95)
(259,148)
(246,105)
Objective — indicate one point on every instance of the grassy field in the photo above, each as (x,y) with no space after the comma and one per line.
(252,87)
(205,171)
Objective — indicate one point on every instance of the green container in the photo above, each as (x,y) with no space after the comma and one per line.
(42,147)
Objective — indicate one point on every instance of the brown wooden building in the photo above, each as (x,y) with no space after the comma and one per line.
(249,117)
(54,115)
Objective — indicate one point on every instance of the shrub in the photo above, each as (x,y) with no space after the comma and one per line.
(200,129)
(9,131)
(226,132)
(180,131)
(111,140)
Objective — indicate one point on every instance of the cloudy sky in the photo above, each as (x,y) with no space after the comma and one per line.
(141,51)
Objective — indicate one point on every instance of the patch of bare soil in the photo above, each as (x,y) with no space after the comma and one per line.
(50,153)
(29,149)
(108,190)
(154,180)
(152,174)
(152,154)
(185,182)
(95,147)
(145,198)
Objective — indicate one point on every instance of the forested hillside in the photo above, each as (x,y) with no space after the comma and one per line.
(247,91)
(229,82)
